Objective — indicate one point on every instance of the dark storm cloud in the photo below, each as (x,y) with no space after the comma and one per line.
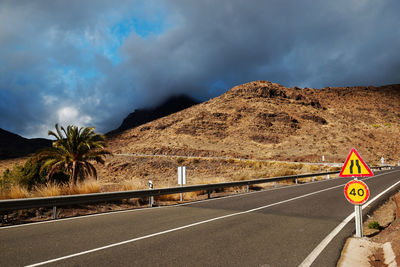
(63,61)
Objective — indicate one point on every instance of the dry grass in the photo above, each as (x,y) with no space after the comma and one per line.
(129,185)
(18,192)
(88,187)
(176,197)
(334,169)
(10,163)
(284,172)
(48,190)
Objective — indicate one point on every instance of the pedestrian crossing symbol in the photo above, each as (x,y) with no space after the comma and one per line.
(355,166)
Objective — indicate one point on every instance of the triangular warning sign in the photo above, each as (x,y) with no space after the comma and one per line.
(355,166)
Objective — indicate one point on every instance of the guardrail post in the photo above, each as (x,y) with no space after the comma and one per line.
(151,198)
(296,181)
(4,218)
(313,178)
(54,212)
(247,188)
(328,177)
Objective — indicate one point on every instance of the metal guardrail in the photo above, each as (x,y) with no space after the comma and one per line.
(29,203)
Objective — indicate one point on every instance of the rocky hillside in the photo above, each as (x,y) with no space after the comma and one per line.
(264,120)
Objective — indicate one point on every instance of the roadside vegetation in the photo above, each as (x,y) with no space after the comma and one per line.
(65,168)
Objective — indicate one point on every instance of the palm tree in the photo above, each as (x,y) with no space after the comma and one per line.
(72,152)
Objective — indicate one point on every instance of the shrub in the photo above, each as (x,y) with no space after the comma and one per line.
(180,160)
(29,175)
(196,161)
(374,225)
(5,181)
(376,126)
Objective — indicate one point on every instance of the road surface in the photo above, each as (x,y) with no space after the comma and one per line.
(278,227)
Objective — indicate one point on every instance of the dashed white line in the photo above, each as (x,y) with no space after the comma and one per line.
(179,228)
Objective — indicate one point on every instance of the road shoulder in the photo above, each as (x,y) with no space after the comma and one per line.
(381,246)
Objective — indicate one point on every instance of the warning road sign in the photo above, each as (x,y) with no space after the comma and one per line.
(355,166)
(356,192)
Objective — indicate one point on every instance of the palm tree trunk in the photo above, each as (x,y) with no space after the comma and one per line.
(74,173)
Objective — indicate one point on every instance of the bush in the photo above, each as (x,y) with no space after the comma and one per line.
(5,181)
(374,225)
(29,175)
(180,160)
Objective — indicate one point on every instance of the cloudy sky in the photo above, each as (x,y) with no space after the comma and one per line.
(90,63)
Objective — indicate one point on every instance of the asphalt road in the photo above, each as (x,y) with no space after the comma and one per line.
(278,227)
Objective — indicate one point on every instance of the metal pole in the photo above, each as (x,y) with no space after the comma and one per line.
(247,188)
(181,193)
(328,177)
(209,193)
(358,216)
(151,198)
(54,212)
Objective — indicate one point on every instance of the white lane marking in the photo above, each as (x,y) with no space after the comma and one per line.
(170,206)
(321,246)
(180,228)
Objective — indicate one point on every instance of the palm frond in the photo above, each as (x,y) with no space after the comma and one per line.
(73,151)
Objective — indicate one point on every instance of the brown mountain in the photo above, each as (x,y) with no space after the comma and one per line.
(264,120)
(13,145)
(257,120)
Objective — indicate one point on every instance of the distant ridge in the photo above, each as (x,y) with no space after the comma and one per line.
(143,116)
(13,145)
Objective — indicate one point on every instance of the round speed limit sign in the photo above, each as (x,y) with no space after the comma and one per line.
(356,192)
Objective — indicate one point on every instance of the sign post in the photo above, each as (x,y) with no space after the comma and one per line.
(356,191)
(181,177)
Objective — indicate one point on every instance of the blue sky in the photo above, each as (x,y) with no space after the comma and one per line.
(94,62)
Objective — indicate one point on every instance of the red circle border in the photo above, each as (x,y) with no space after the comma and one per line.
(366,195)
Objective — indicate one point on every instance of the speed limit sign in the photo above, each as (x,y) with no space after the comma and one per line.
(356,192)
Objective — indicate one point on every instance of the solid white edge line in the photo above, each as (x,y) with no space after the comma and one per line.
(179,228)
(321,246)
